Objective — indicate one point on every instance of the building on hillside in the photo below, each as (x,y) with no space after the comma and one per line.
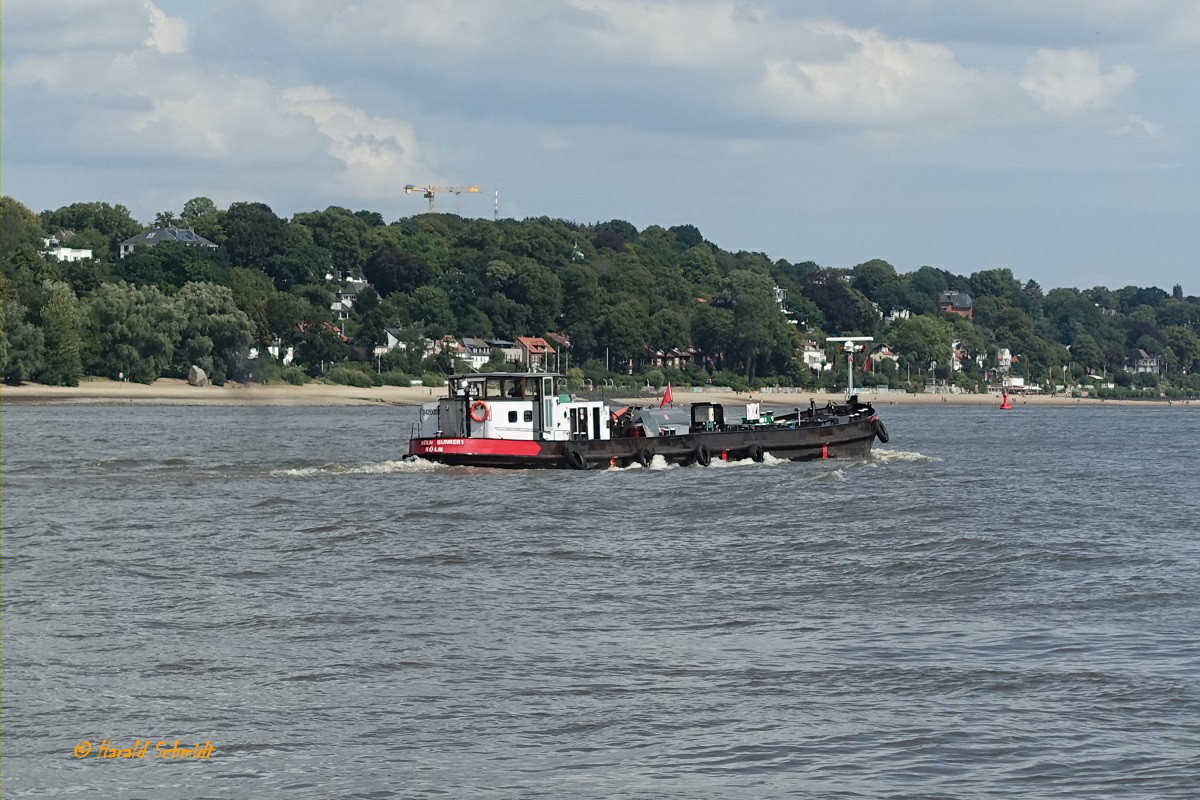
(509,351)
(1143,362)
(55,250)
(343,300)
(536,352)
(1004,359)
(327,327)
(884,353)
(154,236)
(476,352)
(814,356)
(959,303)
(662,358)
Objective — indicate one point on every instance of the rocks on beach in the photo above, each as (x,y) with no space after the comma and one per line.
(197,376)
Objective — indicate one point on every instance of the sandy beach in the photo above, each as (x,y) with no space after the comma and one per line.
(167,391)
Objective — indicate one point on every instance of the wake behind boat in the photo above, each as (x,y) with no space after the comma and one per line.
(520,419)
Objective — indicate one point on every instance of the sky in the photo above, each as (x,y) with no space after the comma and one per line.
(1058,139)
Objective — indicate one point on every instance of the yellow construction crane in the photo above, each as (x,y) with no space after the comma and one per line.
(431,191)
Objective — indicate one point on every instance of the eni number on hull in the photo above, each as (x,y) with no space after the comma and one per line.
(519,419)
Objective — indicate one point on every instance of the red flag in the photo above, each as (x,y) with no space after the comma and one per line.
(867,364)
(666,396)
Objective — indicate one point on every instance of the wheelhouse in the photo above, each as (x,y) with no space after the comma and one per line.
(513,406)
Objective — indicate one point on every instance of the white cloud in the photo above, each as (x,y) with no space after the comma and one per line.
(692,36)
(455,25)
(1136,122)
(167,34)
(878,81)
(1070,82)
(378,155)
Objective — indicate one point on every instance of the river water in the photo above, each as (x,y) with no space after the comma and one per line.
(995,604)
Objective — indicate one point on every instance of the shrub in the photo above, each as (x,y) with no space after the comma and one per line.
(654,377)
(730,379)
(348,376)
(293,375)
(433,379)
(395,378)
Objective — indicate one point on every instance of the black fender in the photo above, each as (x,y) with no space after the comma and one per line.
(701,455)
(756,453)
(574,457)
(644,456)
(881,431)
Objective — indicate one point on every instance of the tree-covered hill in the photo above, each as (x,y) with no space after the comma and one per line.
(620,294)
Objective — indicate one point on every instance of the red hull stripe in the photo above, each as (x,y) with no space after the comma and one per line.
(474,446)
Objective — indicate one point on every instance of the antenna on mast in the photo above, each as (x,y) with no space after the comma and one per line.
(496,207)
(850,348)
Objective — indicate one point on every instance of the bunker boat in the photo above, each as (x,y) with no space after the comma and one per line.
(523,420)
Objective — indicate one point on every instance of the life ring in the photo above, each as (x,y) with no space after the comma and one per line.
(574,457)
(757,453)
(880,430)
(701,455)
(480,411)
(644,456)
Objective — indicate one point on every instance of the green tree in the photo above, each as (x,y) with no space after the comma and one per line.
(758,326)
(431,305)
(171,265)
(622,329)
(1085,352)
(23,343)
(369,318)
(397,271)
(213,332)
(1185,344)
(699,266)
(60,324)
(113,222)
(129,330)
(202,215)
(922,340)
(669,327)
(318,346)
(345,236)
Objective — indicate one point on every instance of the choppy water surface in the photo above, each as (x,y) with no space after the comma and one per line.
(994,605)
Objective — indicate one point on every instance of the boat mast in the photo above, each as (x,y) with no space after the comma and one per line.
(850,347)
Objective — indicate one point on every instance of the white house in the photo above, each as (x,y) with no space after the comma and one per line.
(60,253)
(1004,359)
(475,352)
(814,356)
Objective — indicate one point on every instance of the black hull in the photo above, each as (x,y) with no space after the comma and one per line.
(804,443)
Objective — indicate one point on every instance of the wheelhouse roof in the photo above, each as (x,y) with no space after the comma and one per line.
(478,376)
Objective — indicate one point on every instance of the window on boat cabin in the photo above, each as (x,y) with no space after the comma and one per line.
(512,416)
(529,416)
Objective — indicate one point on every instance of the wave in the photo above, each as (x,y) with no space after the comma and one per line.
(414,465)
(900,456)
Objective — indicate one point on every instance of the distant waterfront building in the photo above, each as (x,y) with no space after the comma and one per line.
(153,236)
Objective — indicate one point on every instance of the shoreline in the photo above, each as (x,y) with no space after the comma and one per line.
(174,391)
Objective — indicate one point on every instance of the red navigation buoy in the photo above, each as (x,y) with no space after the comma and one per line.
(1005,404)
(824,451)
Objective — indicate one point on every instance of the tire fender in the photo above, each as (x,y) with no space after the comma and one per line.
(881,431)
(574,457)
